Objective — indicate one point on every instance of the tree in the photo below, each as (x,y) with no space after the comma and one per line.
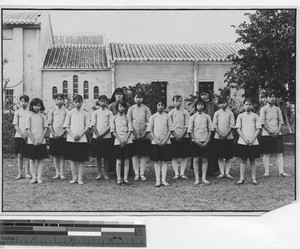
(152,92)
(269,60)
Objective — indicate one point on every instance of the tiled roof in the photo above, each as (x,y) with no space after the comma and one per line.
(76,57)
(14,17)
(173,52)
(74,39)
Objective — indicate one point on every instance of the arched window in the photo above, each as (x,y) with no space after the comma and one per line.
(54,92)
(75,84)
(65,88)
(85,90)
(96,92)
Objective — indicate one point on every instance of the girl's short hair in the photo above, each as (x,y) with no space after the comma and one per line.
(122,103)
(200,101)
(222,100)
(139,95)
(270,93)
(59,95)
(35,102)
(176,97)
(77,98)
(160,101)
(102,97)
(248,100)
(25,97)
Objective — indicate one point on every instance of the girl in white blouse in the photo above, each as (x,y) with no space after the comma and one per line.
(101,145)
(36,127)
(21,136)
(248,126)
(121,127)
(77,150)
(160,128)
(223,145)
(271,140)
(199,129)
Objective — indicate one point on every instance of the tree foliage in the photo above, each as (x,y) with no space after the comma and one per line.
(152,92)
(269,60)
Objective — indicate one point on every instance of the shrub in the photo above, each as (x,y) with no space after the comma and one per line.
(8,133)
(152,93)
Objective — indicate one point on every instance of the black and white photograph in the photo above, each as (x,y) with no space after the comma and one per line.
(148,110)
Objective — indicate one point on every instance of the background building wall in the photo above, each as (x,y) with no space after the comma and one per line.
(32,85)
(213,71)
(46,36)
(51,78)
(178,75)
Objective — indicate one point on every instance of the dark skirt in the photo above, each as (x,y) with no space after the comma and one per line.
(57,146)
(198,151)
(37,152)
(270,145)
(77,152)
(181,149)
(102,148)
(125,152)
(245,151)
(20,146)
(161,153)
(222,148)
(142,147)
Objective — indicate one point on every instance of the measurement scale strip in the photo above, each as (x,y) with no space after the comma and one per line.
(72,233)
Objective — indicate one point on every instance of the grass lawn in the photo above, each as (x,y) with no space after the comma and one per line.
(181,195)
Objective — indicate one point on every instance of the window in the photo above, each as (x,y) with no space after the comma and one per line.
(9,98)
(85,90)
(206,84)
(75,84)
(65,89)
(96,92)
(54,92)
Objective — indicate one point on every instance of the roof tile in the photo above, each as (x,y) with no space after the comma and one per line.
(76,57)
(15,17)
(174,52)
(78,39)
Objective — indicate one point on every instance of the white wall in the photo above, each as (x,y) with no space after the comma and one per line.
(51,78)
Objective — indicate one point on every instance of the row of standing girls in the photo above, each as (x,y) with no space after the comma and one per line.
(170,137)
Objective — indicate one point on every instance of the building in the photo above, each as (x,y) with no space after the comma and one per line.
(26,37)
(46,64)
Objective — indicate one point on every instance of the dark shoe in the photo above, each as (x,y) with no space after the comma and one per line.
(254,182)
(240,182)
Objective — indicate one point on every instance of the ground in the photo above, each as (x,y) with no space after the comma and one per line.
(181,195)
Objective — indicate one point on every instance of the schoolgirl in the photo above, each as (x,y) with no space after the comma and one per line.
(101,144)
(77,150)
(36,126)
(223,145)
(199,130)
(248,127)
(160,128)
(271,140)
(139,115)
(179,139)
(121,127)
(20,139)
(58,135)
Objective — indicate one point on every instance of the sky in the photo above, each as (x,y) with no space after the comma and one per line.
(146,26)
